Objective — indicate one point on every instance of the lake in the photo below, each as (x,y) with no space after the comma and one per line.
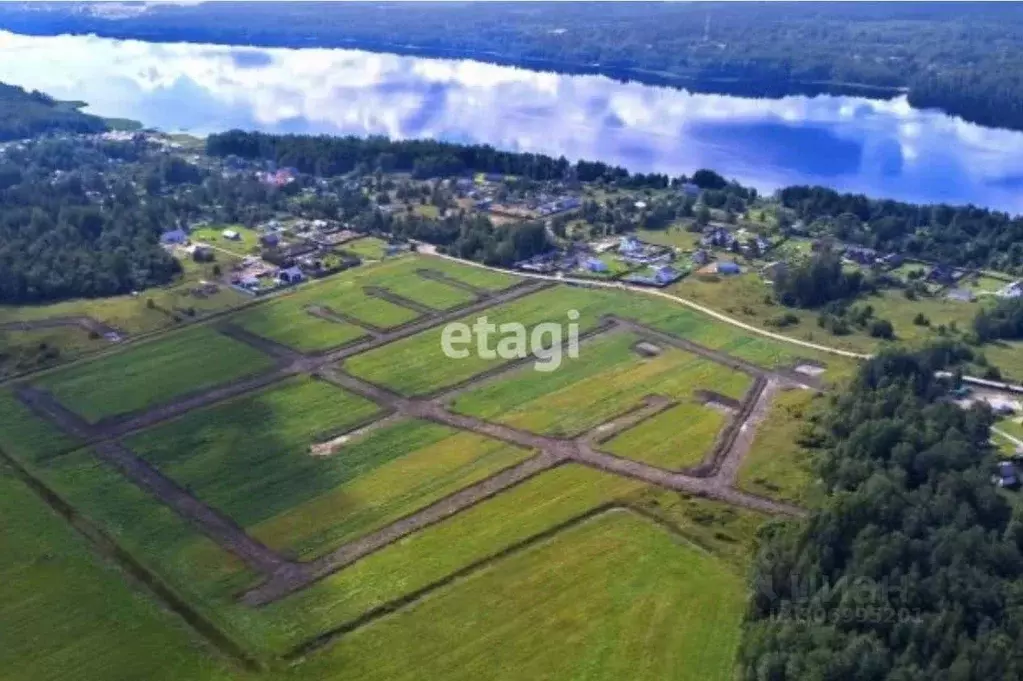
(882,148)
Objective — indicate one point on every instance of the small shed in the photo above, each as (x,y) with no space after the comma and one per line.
(231,235)
(594,265)
(174,237)
(728,267)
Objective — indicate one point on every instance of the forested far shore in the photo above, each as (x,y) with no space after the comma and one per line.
(963,59)
(28,114)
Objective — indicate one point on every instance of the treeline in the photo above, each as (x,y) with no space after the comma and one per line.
(964,236)
(328,156)
(816,281)
(963,58)
(470,236)
(28,114)
(910,569)
(1002,321)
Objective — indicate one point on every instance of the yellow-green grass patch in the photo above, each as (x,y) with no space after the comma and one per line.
(675,236)
(369,247)
(406,282)
(528,509)
(417,364)
(613,598)
(65,614)
(247,242)
(777,466)
(32,350)
(427,462)
(134,314)
(607,379)
(290,324)
(679,437)
(479,277)
(153,373)
(250,457)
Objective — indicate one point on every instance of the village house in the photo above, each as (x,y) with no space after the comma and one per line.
(174,237)
(291,275)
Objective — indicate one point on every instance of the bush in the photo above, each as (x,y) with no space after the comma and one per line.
(921,319)
(882,328)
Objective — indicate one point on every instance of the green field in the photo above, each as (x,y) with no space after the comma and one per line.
(25,351)
(368,248)
(153,373)
(250,457)
(66,614)
(421,463)
(133,314)
(289,324)
(246,244)
(607,380)
(679,437)
(25,435)
(777,466)
(474,276)
(675,236)
(403,279)
(639,605)
(418,365)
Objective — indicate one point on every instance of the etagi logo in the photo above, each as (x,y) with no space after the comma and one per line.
(515,341)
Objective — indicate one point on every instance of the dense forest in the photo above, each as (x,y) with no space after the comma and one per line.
(28,114)
(910,568)
(963,58)
(68,231)
(958,235)
(328,156)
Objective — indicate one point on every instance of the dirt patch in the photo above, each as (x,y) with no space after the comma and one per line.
(810,369)
(724,403)
(646,349)
(332,446)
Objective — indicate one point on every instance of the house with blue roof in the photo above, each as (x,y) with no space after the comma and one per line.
(174,237)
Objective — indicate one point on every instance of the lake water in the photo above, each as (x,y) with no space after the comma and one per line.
(881,148)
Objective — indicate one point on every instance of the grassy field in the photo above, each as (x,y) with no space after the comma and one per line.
(422,462)
(290,324)
(675,236)
(25,351)
(777,466)
(368,248)
(405,281)
(68,615)
(153,373)
(474,276)
(250,457)
(679,437)
(246,244)
(614,598)
(417,364)
(26,436)
(607,380)
(134,314)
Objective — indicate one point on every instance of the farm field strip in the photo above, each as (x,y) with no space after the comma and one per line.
(152,373)
(277,426)
(283,322)
(638,625)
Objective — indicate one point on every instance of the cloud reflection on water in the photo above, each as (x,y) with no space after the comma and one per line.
(883,148)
